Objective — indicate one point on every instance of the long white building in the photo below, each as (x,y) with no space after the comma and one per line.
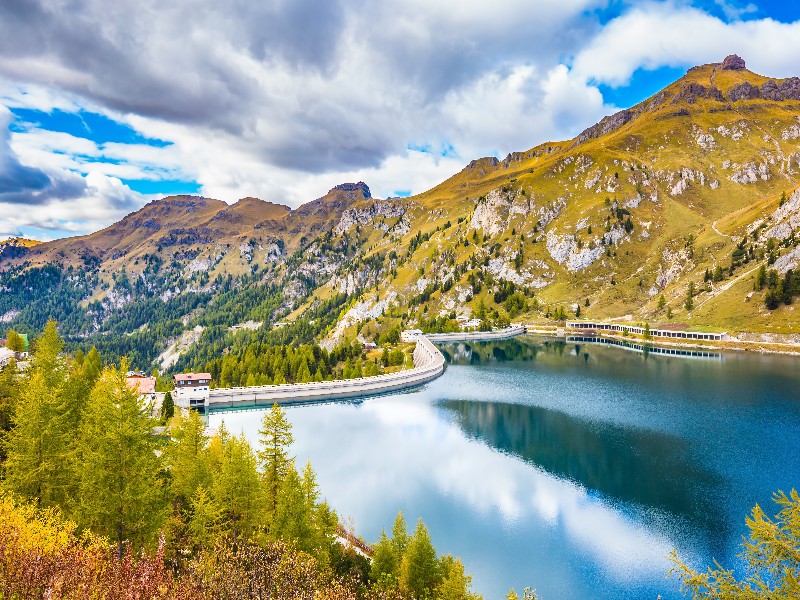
(599,326)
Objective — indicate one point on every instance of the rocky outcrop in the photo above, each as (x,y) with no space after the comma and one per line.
(374,214)
(785,219)
(353,187)
(791,133)
(501,269)
(565,250)
(743,91)
(491,213)
(188,237)
(789,89)
(517,157)
(691,92)
(607,125)
(788,261)
(359,312)
(198,265)
(751,173)
(733,63)
(483,165)
(673,264)
(706,141)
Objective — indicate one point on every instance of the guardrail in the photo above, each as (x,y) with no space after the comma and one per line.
(429,363)
(477,336)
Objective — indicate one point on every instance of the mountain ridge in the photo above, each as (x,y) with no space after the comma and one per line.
(624,219)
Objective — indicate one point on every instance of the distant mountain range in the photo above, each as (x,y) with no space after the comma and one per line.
(696,185)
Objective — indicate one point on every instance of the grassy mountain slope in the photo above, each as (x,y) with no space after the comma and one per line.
(695,186)
(691,168)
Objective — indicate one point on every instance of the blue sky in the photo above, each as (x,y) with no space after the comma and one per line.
(285,100)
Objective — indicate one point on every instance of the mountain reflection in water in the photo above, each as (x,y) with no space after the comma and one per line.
(649,469)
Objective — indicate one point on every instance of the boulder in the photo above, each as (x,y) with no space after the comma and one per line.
(733,63)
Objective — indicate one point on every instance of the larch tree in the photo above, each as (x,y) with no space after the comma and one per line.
(186,456)
(772,554)
(14,341)
(419,569)
(384,561)
(292,519)
(399,536)
(121,492)
(9,391)
(276,438)
(455,583)
(30,459)
(38,445)
(237,488)
(205,522)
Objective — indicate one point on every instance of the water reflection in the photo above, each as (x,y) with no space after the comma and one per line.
(649,469)
(511,524)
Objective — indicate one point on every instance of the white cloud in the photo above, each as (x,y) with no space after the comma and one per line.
(51,184)
(734,11)
(103,201)
(665,34)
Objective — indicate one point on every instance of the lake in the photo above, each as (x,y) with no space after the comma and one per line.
(572,467)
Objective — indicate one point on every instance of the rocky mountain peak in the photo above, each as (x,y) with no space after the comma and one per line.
(733,62)
(353,187)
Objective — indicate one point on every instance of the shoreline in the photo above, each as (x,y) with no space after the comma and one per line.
(429,364)
(733,345)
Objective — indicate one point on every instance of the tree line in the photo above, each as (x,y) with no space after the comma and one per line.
(269,364)
(780,290)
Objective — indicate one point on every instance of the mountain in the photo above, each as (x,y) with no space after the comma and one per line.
(695,187)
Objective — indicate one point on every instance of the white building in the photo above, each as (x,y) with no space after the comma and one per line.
(410,335)
(191,389)
(5,356)
(470,324)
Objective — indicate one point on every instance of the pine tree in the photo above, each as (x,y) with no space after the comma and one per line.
(384,560)
(237,489)
(276,438)
(120,489)
(39,444)
(167,408)
(455,584)
(419,572)
(186,456)
(303,373)
(761,278)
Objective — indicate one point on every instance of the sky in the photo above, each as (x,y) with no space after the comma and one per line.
(105,106)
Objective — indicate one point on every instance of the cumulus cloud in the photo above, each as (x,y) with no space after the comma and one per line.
(283,100)
(16,180)
(669,34)
(310,85)
(44,186)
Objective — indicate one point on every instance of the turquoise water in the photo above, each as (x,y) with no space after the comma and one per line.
(571,467)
